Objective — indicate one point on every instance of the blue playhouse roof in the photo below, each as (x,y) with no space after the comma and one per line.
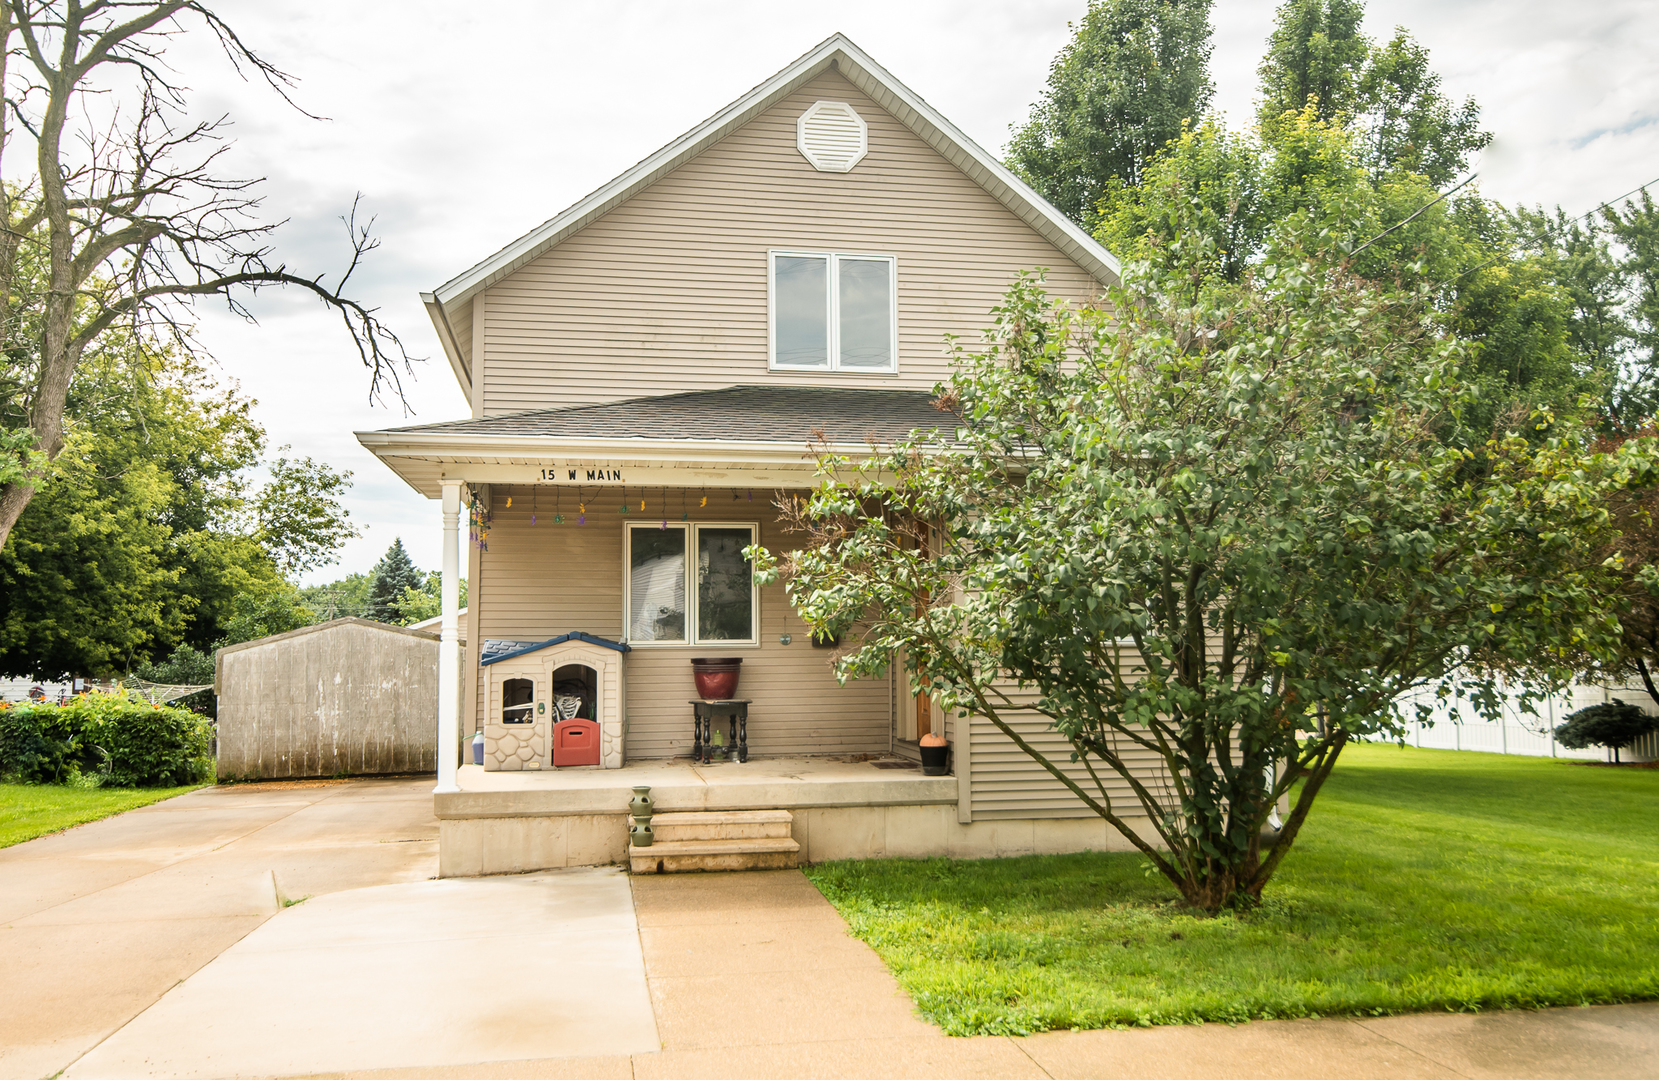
(495,650)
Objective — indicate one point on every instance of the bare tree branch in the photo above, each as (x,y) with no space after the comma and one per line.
(125,216)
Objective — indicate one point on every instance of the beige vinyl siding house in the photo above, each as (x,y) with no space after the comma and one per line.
(668,292)
(646,348)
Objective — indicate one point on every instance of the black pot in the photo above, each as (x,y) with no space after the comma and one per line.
(936,760)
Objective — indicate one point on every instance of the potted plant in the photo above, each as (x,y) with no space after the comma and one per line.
(716,677)
(935,755)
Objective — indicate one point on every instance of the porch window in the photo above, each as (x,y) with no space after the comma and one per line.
(656,584)
(832,312)
(690,584)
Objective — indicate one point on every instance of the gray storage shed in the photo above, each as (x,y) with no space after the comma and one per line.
(350,697)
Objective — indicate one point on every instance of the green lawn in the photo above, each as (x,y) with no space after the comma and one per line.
(1426,879)
(31,810)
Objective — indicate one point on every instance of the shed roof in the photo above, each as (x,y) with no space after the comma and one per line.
(332,624)
(349,620)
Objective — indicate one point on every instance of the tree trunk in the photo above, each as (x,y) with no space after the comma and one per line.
(1647,680)
(13,499)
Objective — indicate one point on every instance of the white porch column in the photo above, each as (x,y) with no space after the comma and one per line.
(449,644)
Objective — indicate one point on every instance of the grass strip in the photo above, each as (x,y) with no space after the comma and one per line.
(31,810)
(1425,880)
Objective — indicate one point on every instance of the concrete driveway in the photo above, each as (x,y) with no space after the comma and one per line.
(145,945)
(97,923)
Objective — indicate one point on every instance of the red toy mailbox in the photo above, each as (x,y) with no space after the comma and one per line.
(575,742)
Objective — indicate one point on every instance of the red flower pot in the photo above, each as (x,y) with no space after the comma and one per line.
(716,677)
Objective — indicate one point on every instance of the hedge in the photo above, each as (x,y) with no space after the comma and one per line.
(107,738)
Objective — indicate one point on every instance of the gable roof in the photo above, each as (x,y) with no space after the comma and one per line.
(836,52)
(786,414)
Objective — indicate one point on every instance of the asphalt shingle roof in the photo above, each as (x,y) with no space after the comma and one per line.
(787,414)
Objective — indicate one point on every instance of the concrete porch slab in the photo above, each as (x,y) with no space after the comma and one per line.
(515,822)
(783,783)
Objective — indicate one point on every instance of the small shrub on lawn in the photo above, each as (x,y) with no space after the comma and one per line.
(1615,725)
(107,740)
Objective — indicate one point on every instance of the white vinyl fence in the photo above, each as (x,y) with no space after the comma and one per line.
(1456,725)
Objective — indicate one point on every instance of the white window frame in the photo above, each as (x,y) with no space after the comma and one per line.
(691,529)
(833,315)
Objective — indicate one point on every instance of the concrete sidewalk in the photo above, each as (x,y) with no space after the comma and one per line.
(145,945)
(754,975)
(98,922)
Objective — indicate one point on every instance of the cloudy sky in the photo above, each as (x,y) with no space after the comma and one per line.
(465,125)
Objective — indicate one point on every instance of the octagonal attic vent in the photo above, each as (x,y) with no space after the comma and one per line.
(832,136)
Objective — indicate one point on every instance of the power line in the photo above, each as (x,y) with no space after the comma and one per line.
(1581,217)
(1626,195)
(1415,213)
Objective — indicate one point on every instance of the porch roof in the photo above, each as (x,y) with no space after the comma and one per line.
(786,414)
(752,435)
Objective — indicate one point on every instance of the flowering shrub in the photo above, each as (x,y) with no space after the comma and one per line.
(111,739)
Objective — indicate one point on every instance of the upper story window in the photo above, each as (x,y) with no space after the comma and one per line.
(833,312)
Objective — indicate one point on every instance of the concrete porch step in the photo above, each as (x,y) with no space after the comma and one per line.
(722,825)
(681,856)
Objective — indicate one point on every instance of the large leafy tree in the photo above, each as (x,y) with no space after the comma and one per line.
(1319,56)
(300,520)
(1635,227)
(1606,263)
(131,546)
(1408,123)
(1215,535)
(149,532)
(1307,176)
(1317,50)
(1134,72)
(115,211)
(348,596)
(1631,556)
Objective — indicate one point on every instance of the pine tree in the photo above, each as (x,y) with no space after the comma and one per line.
(394,573)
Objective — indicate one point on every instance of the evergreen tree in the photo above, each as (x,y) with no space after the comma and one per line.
(1134,72)
(393,574)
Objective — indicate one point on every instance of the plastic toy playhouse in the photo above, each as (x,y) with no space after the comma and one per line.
(555,704)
